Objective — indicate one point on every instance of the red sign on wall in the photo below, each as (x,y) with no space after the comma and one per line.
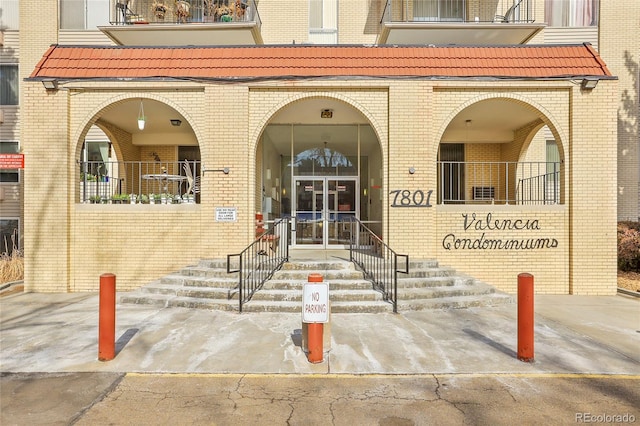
(11,161)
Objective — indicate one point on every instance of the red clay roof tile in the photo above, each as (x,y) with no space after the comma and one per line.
(114,62)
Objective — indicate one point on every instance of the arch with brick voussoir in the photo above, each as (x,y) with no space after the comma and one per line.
(294,103)
(95,116)
(298,97)
(544,118)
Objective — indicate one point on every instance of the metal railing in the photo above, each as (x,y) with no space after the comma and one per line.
(259,261)
(126,12)
(461,182)
(459,11)
(543,189)
(378,261)
(143,182)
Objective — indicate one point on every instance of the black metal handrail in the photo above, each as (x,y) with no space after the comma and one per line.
(127,12)
(448,11)
(541,189)
(259,261)
(378,261)
(145,182)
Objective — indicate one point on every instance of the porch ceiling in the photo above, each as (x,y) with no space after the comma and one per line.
(491,121)
(158,116)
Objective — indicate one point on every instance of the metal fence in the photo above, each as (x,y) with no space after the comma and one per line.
(462,182)
(146,182)
(125,12)
(521,11)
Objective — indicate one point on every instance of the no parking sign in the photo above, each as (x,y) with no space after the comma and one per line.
(315,302)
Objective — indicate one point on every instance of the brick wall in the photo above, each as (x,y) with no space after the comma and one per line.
(621,52)
(75,243)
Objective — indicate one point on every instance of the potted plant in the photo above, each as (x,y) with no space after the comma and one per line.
(95,199)
(159,9)
(119,198)
(143,199)
(157,198)
(182,11)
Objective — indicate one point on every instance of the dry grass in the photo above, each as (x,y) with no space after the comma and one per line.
(629,280)
(11,267)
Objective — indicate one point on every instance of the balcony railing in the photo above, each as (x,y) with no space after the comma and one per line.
(518,11)
(499,183)
(125,12)
(139,182)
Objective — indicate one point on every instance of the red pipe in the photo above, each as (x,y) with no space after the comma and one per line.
(525,317)
(315,331)
(107,326)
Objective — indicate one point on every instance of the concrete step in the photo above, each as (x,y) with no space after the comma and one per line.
(168,301)
(430,272)
(334,295)
(426,282)
(317,266)
(208,286)
(339,284)
(198,281)
(455,302)
(443,292)
(336,307)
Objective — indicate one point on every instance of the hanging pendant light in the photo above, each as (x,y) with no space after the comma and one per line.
(141,120)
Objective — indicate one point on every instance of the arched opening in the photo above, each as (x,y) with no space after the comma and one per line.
(320,170)
(499,151)
(123,161)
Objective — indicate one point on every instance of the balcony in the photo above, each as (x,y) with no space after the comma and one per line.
(514,183)
(183,23)
(459,22)
(139,182)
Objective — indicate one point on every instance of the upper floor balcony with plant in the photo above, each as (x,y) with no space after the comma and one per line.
(458,22)
(183,22)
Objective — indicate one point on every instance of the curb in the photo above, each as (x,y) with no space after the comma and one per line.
(12,287)
(628,292)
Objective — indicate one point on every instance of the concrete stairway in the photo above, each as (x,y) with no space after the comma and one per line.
(430,286)
(208,286)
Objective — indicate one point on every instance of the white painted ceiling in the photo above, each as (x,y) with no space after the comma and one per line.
(492,121)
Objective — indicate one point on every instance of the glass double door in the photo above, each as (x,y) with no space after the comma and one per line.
(322,210)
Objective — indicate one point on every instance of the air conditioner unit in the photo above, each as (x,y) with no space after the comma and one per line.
(484,193)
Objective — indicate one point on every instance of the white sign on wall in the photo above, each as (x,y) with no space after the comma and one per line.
(226,214)
(315,302)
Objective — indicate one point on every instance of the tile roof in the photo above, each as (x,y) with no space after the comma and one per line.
(313,61)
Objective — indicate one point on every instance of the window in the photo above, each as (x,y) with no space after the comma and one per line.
(451,173)
(9,235)
(9,14)
(9,175)
(8,85)
(552,177)
(438,10)
(323,21)
(571,13)
(83,14)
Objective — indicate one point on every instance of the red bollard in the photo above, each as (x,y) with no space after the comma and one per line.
(525,317)
(107,326)
(315,331)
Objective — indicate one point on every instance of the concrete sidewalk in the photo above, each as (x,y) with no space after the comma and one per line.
(573,334)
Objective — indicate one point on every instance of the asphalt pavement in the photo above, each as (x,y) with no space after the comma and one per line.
(189,366)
